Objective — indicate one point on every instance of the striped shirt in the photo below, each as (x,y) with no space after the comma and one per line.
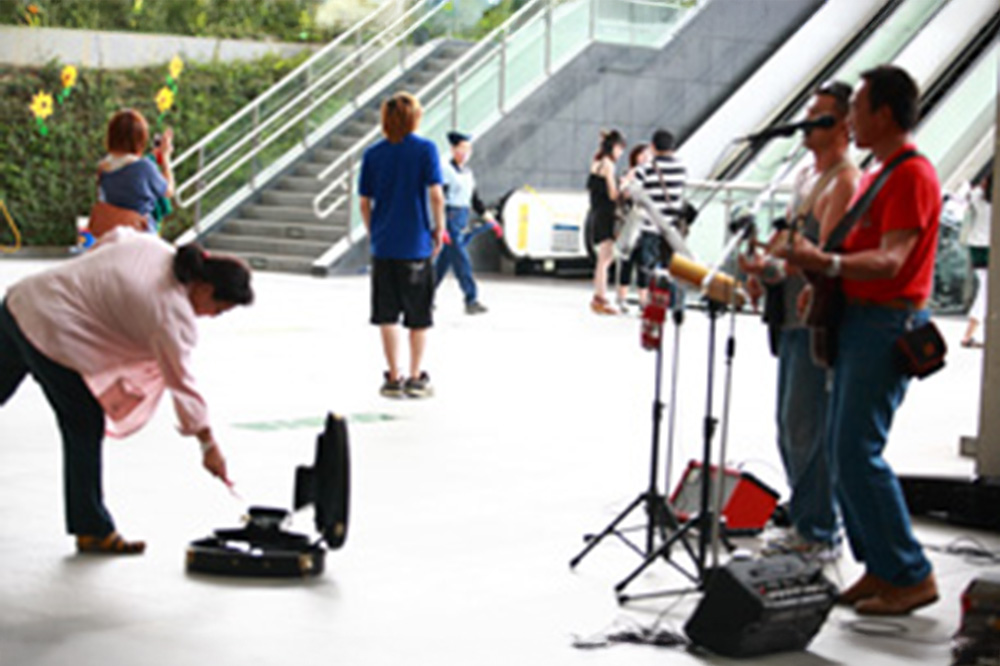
(666,192)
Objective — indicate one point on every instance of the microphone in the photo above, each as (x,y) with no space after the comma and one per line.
(823,122)
(718,286)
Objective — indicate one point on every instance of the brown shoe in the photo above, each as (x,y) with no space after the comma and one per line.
(900,600)
(112,544)
(866,587)
(601,306)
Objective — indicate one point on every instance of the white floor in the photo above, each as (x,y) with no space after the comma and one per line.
(466,508)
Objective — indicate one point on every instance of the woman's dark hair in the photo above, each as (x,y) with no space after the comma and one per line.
(229,277)
(891,86)
(633,155)
(609,139)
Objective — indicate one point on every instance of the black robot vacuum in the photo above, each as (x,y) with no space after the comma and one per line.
(263,548)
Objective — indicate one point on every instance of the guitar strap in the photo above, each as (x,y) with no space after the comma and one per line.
(843,228)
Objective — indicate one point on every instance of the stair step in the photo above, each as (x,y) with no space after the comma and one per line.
(340,142)
(325,156)
(329,232)
(274,197)
(301,184)
(279,213)
(269,261)
(264,245)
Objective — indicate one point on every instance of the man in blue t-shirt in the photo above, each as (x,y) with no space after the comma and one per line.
(402,204)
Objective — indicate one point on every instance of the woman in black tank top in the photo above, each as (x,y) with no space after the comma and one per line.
(603,189)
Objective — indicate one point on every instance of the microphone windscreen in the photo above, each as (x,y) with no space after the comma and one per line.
(720,290)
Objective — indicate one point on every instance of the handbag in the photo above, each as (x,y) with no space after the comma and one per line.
(920,351)
(627,223)
(104,217)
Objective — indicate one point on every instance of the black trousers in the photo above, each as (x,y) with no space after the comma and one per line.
(81,422)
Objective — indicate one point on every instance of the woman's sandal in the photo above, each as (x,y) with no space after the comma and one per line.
(601,306)
(971,343)
(112,544)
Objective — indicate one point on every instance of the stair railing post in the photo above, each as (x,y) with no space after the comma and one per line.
(305,119)
(350,196)
(503,71)
(198,188)
(255,162)
(548,38)
(454,99)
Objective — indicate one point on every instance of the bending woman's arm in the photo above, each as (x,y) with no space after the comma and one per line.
(173,350)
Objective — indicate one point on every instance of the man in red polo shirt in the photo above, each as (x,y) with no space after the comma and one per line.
(886,264)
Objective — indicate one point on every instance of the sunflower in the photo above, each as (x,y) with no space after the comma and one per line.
(164,99)
(41,105)
(69,75)
(176,67)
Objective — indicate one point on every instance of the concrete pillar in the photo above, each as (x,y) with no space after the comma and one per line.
(988,440)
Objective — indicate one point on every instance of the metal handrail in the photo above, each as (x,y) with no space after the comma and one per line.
(456,68)
(259,146)
(273,90)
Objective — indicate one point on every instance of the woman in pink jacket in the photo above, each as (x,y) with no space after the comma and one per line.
(104,335)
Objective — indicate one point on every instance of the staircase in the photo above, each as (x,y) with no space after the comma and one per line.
(279,230)
(279,184)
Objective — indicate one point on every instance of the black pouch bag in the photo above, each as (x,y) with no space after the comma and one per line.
(920,351)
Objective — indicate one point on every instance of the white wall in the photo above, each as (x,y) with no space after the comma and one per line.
(122,50)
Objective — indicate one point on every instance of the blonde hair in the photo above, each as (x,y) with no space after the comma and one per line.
(401,115)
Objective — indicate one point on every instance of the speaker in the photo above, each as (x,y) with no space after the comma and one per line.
(747,502)
(755,607)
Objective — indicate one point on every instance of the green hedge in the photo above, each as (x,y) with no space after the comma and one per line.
(47,181)
(286,20)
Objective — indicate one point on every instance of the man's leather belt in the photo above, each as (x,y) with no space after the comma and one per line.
(892,304)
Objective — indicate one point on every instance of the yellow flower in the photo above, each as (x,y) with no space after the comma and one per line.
(176,67)
(69,76)
(164,99)
(41,105)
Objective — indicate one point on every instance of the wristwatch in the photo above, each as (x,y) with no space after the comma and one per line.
(833,270)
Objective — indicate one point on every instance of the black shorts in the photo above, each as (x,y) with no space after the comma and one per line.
(403,286)
(603,222)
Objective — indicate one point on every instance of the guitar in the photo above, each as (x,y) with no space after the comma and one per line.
(826,306)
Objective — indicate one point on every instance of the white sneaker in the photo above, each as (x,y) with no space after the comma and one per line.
(810,550)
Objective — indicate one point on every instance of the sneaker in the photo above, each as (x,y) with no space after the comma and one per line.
(475,307)
(419,387)
(809,550)
(392,388)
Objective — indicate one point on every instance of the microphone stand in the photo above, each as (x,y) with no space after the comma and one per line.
(708,521)
(659,514)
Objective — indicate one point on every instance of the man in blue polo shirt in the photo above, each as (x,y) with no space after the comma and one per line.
(402,205)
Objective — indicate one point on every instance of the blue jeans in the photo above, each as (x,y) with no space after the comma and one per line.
(867,390)
(81,422)
(802,407)
(454,255)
